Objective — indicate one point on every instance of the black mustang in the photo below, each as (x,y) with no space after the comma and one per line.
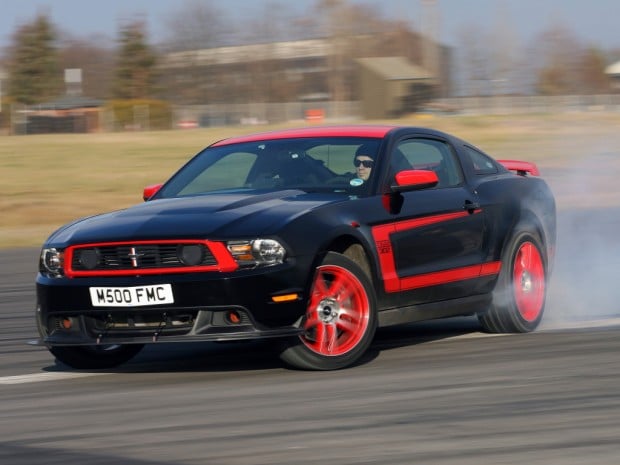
(314,236)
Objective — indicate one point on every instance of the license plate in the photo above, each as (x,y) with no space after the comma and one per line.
(137,296)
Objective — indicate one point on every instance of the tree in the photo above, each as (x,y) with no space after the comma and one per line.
(592,75)
(559,49)
(193,26)
(33,72)
(476,61)
(135,69)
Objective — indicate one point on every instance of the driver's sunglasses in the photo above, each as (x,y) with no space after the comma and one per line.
(364,163)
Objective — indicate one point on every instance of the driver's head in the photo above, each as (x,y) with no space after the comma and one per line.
(364,160)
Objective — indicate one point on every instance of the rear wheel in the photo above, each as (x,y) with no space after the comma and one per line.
(340,320)
(519,298)
(95,357)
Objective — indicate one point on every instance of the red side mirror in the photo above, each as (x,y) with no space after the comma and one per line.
(150,191)
(410,180)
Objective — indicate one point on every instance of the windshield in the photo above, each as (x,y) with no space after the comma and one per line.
(309,164)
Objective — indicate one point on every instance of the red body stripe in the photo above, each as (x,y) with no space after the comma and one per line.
(225,261)
(446,276)
(387,263)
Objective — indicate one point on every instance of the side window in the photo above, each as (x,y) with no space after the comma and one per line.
(429,154)
(482,163)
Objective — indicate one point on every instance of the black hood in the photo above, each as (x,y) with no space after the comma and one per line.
(212,216)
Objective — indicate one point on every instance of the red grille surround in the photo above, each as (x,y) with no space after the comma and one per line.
(220,259)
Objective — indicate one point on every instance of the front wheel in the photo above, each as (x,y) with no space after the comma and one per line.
(340,320)
(95,357)
(519,297)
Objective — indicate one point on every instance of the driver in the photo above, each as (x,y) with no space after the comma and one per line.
(364,161)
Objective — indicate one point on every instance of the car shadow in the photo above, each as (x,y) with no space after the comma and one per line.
(263,355)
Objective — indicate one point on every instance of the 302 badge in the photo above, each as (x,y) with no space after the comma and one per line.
(136,296)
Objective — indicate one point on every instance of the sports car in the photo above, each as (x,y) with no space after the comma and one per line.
(312,238)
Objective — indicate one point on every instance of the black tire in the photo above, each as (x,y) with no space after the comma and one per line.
(95,357)
(520,293)
(341,317)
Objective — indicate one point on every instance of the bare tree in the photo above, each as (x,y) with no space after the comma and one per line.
(504,53)
(96,62)
(475,61)
(197,25)
(558,50)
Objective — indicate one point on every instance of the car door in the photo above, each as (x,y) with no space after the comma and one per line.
(434,244)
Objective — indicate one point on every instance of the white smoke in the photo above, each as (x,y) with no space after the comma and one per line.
(585,286)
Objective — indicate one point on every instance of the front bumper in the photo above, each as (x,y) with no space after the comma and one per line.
(174,325)
(207,307)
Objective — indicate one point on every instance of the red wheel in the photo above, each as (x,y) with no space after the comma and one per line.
(519,295)
(337,315)
(340,318)
(529,281)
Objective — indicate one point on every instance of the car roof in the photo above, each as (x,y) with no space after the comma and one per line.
(375,131)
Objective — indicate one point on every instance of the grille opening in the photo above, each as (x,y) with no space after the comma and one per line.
(128,324)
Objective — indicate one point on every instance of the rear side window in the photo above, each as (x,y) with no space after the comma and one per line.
(483,164)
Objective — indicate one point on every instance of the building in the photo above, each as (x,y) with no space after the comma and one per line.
(613,71)
(386,82)
(67,114)
(312,70)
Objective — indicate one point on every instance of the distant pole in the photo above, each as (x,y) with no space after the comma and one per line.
(2,77)
(430,30)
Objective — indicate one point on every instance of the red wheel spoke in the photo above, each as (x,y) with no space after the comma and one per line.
(321,339)
(331,339)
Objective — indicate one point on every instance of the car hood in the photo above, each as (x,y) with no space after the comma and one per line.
(212,216)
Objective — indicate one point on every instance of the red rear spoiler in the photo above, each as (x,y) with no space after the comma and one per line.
(523,168)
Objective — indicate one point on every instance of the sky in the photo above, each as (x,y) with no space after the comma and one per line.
(595,22)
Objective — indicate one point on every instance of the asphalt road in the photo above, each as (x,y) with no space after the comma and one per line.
(438,392)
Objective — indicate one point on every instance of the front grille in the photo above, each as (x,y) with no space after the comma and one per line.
(124,257)
(141,257)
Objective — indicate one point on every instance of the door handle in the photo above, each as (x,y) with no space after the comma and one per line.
(471,206)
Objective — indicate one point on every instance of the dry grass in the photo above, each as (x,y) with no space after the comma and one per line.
(48,180)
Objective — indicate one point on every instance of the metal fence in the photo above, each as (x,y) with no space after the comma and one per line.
(24,120)
(499,104)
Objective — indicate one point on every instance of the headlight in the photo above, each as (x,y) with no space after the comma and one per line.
(52,262)
(259,252)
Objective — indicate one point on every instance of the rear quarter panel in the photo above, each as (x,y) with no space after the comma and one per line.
(512,203)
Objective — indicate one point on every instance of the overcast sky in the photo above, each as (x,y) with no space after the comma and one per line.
(593,21)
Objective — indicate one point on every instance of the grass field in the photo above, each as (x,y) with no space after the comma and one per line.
(47,180)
